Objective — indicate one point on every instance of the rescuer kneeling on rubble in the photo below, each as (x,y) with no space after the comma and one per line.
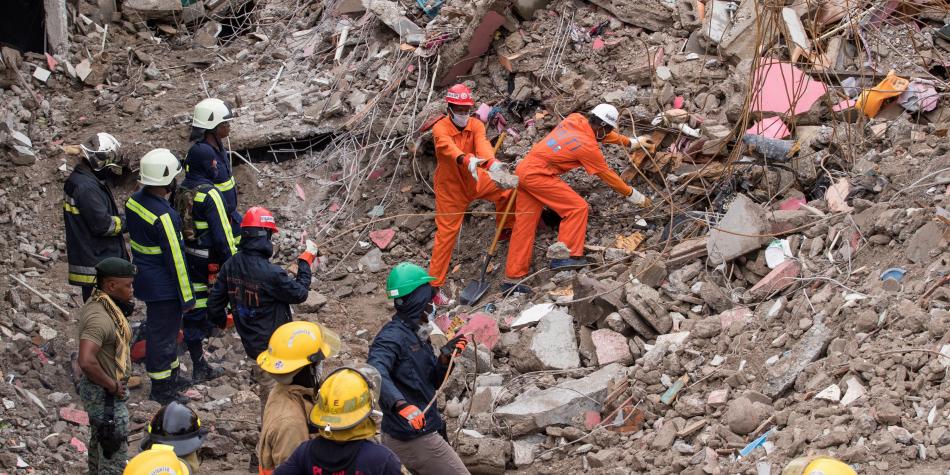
(411,374)
(104,337)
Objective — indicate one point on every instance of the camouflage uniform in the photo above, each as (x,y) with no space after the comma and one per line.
(94,399)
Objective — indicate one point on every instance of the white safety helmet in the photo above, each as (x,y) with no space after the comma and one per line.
(209,113)
(101,151)
(607,113)
(158,168)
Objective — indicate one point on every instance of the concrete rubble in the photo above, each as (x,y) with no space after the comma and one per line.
(668,356)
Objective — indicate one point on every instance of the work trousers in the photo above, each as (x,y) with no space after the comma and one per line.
(426,455)
(163,321)
(535,191)
(93,399)
(449,213)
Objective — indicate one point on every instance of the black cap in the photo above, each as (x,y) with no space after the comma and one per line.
(115,267)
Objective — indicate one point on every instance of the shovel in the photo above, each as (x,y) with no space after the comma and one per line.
(475,290)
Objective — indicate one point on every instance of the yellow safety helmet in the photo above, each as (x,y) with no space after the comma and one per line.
(159,460)
(345,399)
(818,466)
(297,344)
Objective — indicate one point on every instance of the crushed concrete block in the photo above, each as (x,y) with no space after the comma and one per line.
(736,315)
(649,306)
(925,240)
(611,347)
(718,398)
(315,300)
(831,393)
(651,270)
(523,450)
(777,280)
(651,15)
(484,455)
(854,392)
(534,410)
(23,156)
(552,345)
(812,344)
(152,9)
(591,310)
(57,26)
(388,13)
(373,261)
(744,221)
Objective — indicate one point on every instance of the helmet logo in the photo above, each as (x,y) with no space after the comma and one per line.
(295,334)
(279,364)
(161,470)
(211,116)
(267,219)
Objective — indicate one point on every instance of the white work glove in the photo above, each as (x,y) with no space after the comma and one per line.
(312,248)
(643,141)
(473,164)
(496,166)
(638,199)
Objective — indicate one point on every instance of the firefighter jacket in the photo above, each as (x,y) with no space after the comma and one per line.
(207,231)
(212,163)
(260,293)
(157,250)
(93,224)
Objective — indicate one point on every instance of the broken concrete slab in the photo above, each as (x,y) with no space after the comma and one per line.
(315,301)
(611,347)
(523,450)
(595,299)
(648,304)
(152,9)
(532,314)
(389,13)
(926,239)
(471,46)
(484,455)
(552,345)
(783,374)
(738,232)
(57,26)
(534,410)
(650,15)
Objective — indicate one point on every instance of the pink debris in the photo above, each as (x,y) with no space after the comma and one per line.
(844,105)
(611,346)
(678,102)
(40,355)
(779,279)
(483,329)
(836,196)
(598,44)
(773,127)
(51,62)
(783,88)
(193,394)
(792,204)
(376,174)
(382,237)
(591,419)
(482,112)
(735,315)
(76,416)
(300,192)
(78,445)
(334,207)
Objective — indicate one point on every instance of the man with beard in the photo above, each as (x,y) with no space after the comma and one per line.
(92,220)
(104,336)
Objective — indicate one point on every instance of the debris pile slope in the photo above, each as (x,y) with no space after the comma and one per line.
(784,296)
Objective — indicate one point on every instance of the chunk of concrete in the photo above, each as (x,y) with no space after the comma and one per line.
(315,300)
(926,239)
(388,13)
(552,345)
(648,305)
(611,347)
(523,450)
(484,455)
(782,375)
(57,26)
(594,299)
(534,410)
(650,15)
(738,231)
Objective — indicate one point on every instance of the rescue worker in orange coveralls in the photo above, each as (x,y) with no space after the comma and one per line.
(572,144)
(463,153)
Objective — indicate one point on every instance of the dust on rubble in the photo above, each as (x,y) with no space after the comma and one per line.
(788,282)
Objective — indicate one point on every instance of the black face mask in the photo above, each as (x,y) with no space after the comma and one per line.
(127,307)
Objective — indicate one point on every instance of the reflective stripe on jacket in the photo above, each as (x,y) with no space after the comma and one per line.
(157,250)
(93,225)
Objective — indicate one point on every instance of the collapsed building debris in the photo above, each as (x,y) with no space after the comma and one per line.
(698,345)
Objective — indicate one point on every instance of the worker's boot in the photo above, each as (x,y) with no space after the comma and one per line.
(163,392)
(570,263)
(202,371)
(181,383)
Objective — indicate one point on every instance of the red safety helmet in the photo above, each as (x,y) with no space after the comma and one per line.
(259,217)
(460,95)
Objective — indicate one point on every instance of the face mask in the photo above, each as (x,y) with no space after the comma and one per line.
(424,331)
(460,120)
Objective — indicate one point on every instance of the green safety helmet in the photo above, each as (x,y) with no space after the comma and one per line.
(404,278)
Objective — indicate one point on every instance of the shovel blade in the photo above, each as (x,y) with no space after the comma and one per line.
(473,292)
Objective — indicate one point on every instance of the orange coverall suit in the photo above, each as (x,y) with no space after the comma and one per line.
(455,188)
(570,145)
